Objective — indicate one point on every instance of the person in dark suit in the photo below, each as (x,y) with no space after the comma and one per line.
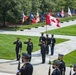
(74,69)
(42,38)
(29,47)
(48,40)
(43,51)
(18,47)
(27,68)
(62,66)
(52,44)
(55,67)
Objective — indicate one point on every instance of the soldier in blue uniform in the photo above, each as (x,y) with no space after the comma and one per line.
(62,66)
(52,44)
(74,69)
(18,47)
(55,67)
(29,47)
(27,68)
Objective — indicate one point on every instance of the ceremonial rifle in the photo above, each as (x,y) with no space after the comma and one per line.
(49,71)
(70,70)
(18,63)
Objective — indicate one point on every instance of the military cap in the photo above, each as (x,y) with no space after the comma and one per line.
(27,56)
(75,65)
(52,34)
(42,33)
(56,62)
(18,38)
(60,55)
(29,38)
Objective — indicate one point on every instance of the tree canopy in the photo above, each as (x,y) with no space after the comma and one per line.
(11,10)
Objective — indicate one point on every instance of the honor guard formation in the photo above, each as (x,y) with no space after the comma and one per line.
(47,45)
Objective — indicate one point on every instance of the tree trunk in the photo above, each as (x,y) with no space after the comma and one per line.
(4,18)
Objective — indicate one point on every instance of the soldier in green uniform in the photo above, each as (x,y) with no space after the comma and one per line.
(27,68)
(29,47)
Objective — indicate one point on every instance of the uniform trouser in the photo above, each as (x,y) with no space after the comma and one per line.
(52,50)
(47,49)
(43,58)
(62,72)
(17,54)
(29,52)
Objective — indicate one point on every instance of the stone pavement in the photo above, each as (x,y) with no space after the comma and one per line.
(10,66)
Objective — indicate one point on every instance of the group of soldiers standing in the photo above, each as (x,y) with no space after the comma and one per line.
(59,66)
(19,47)
(44,43)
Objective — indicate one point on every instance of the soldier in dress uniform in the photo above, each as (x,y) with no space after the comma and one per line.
(27,68)
(43,51)
(74,69)
(18,47)
(53,41)
(48,40)
(29,47)
(62,66)
(42,38)
(55,67)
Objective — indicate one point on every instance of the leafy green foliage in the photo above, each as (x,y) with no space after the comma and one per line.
(11,10)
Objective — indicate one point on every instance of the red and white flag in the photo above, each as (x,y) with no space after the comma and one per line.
(50,20)
(37,17)
(54,21)
(62,13)
(47,19)
(24,17)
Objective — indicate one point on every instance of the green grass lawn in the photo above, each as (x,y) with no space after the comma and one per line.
(67,18)
(69,30)
(70,58)
(7,48)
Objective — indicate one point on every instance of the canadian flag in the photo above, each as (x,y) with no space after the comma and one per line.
(54,21)
(50,20)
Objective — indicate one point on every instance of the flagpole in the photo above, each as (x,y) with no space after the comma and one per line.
(46,29)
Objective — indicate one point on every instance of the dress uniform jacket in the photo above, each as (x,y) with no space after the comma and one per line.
(56,72)
(18,46)
(26,69)
(53,41)
(29,47)
(42,38)
(62,67)
(74,74)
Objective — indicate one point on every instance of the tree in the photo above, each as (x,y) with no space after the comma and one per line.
(11,10)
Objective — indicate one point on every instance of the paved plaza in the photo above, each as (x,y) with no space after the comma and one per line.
(9,67)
